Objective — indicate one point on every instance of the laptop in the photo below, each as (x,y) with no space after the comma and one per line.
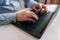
(36,29)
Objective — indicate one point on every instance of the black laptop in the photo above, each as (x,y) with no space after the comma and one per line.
(37,28)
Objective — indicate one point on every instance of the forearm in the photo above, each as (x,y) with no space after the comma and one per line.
(29,3)
(7,18)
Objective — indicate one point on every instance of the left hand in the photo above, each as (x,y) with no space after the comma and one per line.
(37,6)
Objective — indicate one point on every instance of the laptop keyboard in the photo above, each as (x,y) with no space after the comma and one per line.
(36,29)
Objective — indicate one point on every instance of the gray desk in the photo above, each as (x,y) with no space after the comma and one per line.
(52,32)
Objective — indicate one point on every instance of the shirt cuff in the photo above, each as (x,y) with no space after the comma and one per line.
(10,17)
(31,3)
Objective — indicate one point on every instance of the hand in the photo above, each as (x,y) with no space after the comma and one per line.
(26,15)
(37,6)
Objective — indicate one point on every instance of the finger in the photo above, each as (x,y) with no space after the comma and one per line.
(30,19)
(35,9)
(40,7)
(33,15)
(45,9)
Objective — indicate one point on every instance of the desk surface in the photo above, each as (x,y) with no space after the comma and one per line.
(11,32)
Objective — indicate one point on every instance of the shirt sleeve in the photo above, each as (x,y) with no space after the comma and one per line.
(29,3)
(7,18)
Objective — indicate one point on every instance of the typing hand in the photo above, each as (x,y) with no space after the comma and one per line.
(26,15)
(37,6)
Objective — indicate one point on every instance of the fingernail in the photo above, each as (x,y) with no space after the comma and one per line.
(36,18)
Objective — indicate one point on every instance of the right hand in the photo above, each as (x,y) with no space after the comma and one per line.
(26,15)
